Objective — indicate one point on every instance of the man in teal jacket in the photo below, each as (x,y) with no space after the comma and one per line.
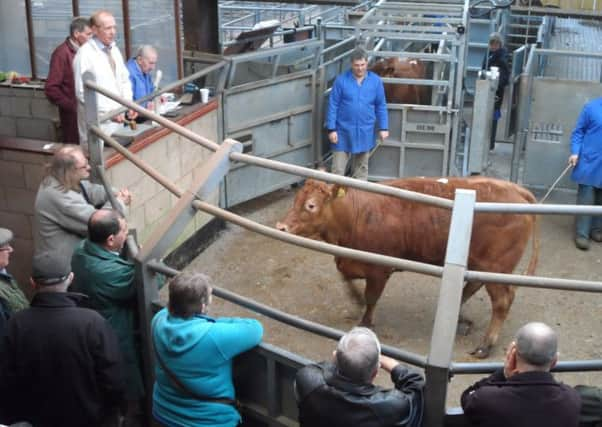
(108,280)
(194,355)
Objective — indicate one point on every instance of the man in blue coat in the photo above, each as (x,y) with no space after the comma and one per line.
(356,102)
(586,157)
(140,68)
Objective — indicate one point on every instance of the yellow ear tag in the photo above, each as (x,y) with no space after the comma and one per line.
(341,192)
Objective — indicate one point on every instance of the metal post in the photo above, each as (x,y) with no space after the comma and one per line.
(448,308)
(95,145)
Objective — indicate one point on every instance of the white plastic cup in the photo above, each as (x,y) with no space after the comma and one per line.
(204,95)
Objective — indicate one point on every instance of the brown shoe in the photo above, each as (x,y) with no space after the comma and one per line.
(582,243)
(596,235)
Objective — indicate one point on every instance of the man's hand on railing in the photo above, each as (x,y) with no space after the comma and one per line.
(131,115)
(125,196)
(120,118)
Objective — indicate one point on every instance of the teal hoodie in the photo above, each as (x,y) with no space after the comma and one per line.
(199,351)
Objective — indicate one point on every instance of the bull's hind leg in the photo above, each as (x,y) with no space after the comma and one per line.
(465,324)
(375,284)
(501,297)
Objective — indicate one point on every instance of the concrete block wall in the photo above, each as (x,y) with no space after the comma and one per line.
(180,160)
(20,176)
(177,159)
(26,113)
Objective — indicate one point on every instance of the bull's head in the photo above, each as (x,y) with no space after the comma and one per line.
(307,217)
(384,67)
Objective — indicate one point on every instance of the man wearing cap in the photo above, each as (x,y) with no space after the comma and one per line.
(108,281)
(11,296)
(64,203)
(60,364)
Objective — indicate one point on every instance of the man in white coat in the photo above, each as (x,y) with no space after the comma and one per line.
(101,56)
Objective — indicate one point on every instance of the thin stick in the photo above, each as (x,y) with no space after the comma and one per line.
(555,182)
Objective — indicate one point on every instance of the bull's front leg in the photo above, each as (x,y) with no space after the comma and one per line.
(375,284)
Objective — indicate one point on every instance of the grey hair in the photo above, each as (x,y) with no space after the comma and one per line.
(496,37)
(358,355)
(358,54)
(188,293)
(79,24)
(145,50)
(537,344)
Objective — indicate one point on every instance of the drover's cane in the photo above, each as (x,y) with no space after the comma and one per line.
(555,182)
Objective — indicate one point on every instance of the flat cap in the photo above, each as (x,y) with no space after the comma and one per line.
(6,236)
(46,270)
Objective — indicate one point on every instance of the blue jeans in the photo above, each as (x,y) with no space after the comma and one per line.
(584,224)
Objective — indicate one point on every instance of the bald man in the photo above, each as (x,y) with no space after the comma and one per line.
(140,68)
(524,393)
(101,56)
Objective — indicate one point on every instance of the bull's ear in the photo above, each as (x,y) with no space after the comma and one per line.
(338,191)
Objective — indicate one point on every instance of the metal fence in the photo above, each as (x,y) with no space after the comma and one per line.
(438,363)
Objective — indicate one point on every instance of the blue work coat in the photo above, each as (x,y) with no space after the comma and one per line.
(586,142)
(353,109)
(142,84)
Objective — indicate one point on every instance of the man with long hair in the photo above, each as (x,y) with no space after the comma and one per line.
(64,203)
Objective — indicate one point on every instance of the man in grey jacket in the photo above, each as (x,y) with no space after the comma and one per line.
(64,203)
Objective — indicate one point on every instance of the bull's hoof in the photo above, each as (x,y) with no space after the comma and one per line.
(464,327)
(480,352)
(366,323)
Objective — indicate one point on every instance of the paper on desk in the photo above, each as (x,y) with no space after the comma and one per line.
(166,107)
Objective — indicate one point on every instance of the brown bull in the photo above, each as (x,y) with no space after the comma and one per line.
(415,231)
(403,68)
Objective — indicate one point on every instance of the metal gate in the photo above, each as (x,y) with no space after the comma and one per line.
(267,104)
(554,88)
(422,138)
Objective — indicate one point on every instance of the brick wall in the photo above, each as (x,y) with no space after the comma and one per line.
(174,156)
(26,113)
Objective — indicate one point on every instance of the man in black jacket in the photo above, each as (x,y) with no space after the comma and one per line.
(497,56)
(341,393)
(524,393)
(60,364)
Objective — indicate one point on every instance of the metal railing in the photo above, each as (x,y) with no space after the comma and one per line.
(438,364)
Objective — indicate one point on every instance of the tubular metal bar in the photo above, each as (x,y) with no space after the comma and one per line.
(181,130)
(105,183)
(526,208)
(429,57)
(132,246)
(418,82)
(338,179)
(465,368)
(534,281)
(298,322)
(167,88)
(134,159)
(397,263)
(579,54)
(339,251)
